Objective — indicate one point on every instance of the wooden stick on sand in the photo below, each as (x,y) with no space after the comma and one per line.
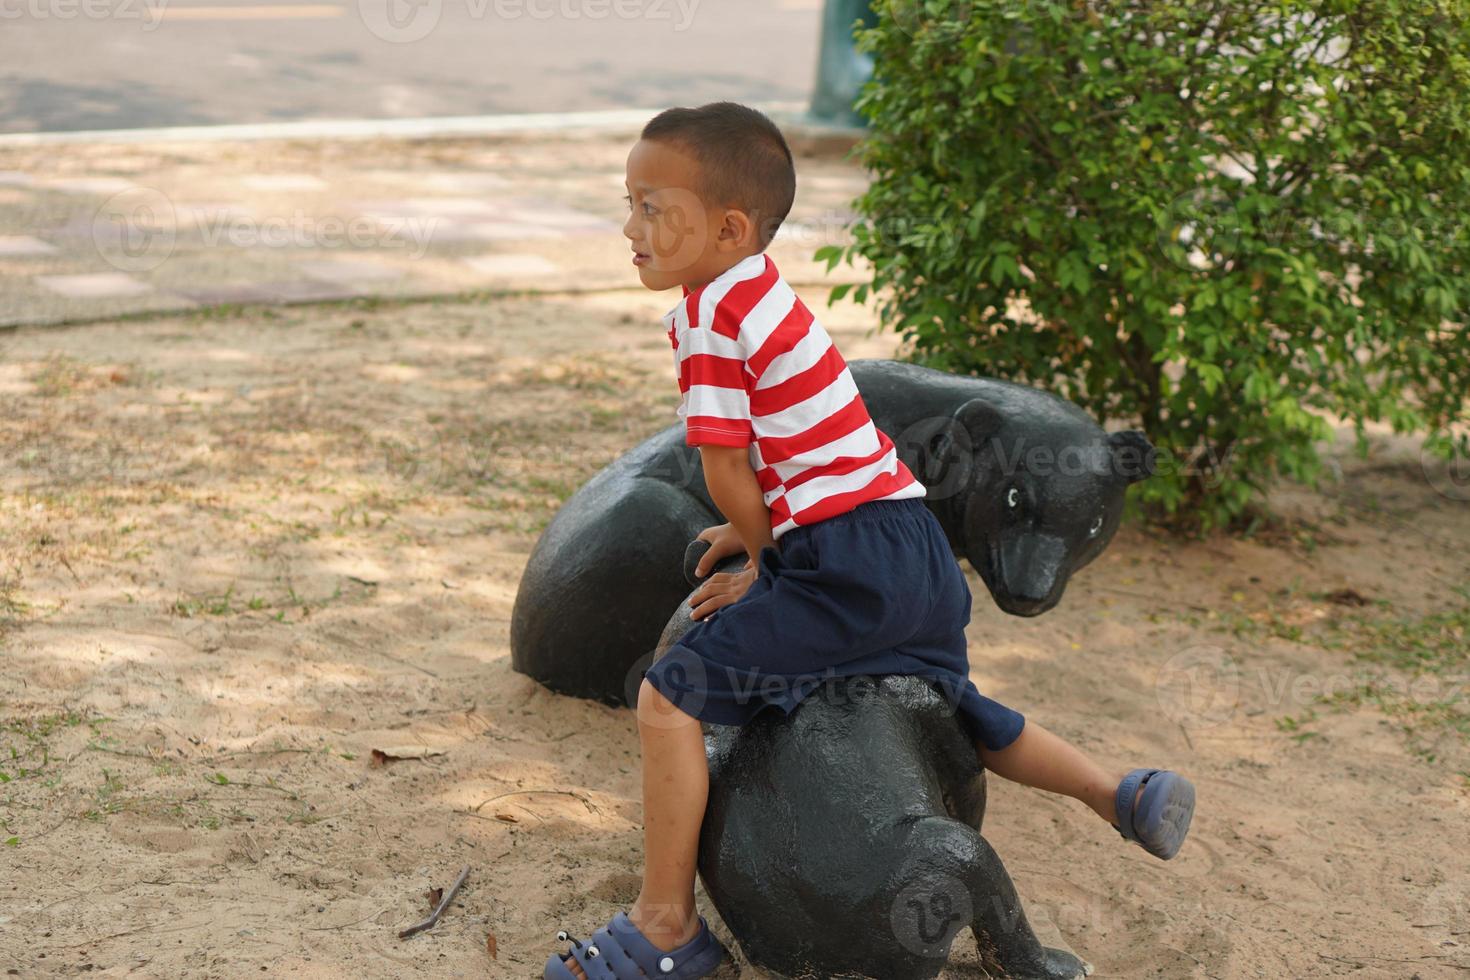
(438,909)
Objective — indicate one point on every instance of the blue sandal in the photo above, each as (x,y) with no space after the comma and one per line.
(1164,810)
(618,951)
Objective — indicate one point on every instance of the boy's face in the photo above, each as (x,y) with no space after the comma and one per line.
(677,240)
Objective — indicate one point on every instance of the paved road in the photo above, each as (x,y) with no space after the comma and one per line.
(122,64)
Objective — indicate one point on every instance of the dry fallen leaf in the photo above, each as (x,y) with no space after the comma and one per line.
(507,817)
(382,757)
(434,895)
(490,947)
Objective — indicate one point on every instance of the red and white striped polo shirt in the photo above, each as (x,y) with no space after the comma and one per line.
(757,369)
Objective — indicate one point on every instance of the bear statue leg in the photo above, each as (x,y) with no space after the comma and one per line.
(952,878)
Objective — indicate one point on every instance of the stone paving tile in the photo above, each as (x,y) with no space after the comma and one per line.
(87,185)
(208,216)
(348,270)
(811,236)
(490,231)
(19,245)
(553,214)
(284,291)
(461,183)
(426,220)
(449,207)
(450,230)
(512,264)
(459,216)
(94,285)
(283,182)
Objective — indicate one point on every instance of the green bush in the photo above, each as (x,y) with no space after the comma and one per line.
(1231,222)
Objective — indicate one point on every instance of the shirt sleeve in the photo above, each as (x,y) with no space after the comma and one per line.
(715,401)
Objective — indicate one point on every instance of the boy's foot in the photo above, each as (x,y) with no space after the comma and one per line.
(661,938)
(638,939)
(1154,809)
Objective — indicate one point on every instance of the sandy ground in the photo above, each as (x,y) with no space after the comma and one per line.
(241,553)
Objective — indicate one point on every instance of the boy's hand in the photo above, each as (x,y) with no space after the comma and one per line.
(724,541)
(722,590)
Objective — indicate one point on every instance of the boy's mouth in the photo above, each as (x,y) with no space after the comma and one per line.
(641,258)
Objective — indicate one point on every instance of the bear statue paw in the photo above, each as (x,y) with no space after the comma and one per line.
(1062,965)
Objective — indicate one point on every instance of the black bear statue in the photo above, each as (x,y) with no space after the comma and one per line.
(843,839)
(1027,487)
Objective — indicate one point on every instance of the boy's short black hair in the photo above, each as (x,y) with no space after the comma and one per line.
(743,158)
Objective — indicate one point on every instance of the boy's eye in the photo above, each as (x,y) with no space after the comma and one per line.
(648,209)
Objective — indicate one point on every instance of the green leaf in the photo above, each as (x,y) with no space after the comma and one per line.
(830,254)
(1004,267)
(1210,375)
(1072,273)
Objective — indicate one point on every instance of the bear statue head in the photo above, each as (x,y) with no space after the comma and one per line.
(1029,497)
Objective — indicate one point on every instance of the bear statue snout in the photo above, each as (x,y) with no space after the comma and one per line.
(1030,573)
(1025,605)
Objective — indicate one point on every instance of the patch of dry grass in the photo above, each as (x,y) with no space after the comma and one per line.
(12,608)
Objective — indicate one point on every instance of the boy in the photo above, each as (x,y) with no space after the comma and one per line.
(847,573)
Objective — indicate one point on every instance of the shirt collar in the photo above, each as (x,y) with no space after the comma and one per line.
(749,266)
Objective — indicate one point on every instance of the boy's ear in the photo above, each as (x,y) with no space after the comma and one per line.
(737,231)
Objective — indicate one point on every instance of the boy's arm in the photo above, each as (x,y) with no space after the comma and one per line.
(736,492)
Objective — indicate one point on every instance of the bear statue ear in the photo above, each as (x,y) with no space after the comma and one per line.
(1133,455)
(940,449)
(980,418)
(955,439)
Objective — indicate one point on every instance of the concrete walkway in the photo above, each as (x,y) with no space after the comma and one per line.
(92,230)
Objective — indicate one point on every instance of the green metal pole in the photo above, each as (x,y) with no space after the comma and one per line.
(841,69)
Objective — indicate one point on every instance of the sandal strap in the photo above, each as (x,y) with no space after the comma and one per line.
(1123,802)
(652,960)
(616,956)
(596,967)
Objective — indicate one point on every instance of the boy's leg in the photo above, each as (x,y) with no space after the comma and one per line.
(1045,761)
(675,791)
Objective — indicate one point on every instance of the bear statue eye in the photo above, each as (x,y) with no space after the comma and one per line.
(1097,523)
(1013,498)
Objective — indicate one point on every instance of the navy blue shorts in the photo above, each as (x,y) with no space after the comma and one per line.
(875,591)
